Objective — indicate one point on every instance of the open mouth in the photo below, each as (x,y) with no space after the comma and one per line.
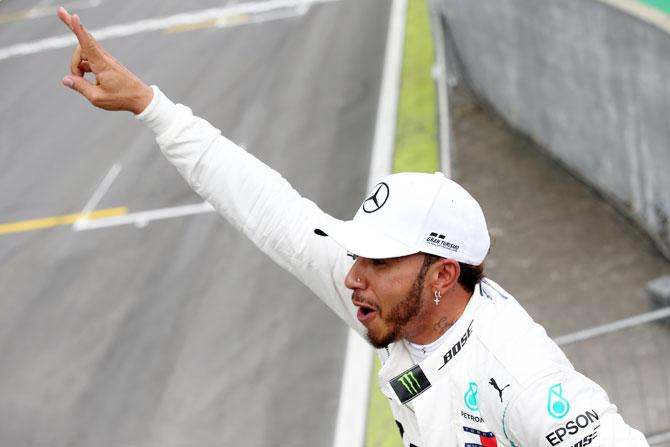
(365,312)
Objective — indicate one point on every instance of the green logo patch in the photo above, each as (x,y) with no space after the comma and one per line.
(410,384)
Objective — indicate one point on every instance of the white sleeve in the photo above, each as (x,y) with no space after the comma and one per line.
(567,409)
(255,199)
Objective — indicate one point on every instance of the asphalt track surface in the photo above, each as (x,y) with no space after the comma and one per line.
(179,333)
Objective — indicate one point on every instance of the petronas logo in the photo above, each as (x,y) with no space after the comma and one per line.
(410,383)
(470,397)
(557,405)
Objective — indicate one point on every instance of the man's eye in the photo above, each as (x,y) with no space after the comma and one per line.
(378,261)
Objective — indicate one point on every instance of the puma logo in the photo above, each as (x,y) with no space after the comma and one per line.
(493,383)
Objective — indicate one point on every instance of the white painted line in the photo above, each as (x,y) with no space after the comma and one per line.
(100,191)
(157,24)
(288,13)
(659,438)
(384,141)
(355,386)
(613,327)
(352,410)
(143,218)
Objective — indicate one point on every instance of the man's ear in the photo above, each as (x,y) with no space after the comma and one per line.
(446,274)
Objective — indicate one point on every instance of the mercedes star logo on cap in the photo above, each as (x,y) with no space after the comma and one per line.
(377,199)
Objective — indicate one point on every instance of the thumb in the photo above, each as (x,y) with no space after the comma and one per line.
(81,85)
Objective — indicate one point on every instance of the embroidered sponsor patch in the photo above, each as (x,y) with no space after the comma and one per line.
(453,352)
(410,384)
(438,240)
(558,406)
(486,438)
(574,426)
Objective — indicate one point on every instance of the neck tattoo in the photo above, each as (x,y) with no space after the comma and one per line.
(442,325)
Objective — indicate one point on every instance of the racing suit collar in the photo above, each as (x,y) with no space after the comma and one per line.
(436,365)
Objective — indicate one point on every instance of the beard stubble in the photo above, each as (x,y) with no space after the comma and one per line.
(404,313)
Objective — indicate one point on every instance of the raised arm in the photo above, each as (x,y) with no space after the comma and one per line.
(254,198)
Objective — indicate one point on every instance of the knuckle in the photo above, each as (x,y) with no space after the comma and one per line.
(94,98)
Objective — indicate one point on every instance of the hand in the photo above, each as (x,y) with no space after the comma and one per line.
(116,88)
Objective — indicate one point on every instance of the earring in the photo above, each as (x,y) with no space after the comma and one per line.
(438,295)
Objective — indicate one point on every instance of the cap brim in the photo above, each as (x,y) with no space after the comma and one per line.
(364,241)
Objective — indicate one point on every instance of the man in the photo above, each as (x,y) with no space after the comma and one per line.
(463,363)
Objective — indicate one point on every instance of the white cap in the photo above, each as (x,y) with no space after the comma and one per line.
(412,212)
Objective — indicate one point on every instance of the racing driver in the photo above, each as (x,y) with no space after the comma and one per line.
(463,363)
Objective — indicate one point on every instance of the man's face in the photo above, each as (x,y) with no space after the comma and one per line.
(388,293)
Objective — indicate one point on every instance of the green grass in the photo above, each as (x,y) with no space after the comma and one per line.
(663,5)
(381,429)
(416,133)
(416,149)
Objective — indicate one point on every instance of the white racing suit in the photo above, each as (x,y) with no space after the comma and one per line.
(497,380)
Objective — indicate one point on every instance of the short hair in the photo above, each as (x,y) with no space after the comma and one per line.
(470,275)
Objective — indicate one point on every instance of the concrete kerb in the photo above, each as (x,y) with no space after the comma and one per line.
(624,176)
(440,74)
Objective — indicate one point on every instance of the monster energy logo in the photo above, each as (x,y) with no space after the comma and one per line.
(409,384)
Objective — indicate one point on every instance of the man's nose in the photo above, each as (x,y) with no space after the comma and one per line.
(354,280)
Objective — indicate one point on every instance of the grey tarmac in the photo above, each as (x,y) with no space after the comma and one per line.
(181,332)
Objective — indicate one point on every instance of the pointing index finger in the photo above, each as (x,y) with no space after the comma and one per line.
(85,38)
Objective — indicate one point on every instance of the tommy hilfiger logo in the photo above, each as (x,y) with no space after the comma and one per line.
(439,241)
(486,438)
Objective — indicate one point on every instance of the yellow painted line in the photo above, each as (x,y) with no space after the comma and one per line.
(191,26)
(68,219)
(210,23)
(47,10)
